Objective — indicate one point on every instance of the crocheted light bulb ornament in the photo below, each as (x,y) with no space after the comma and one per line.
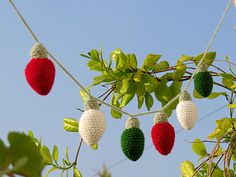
(186,111)
(163,134)
(132,140)
(203,82)
(40,71)
(92,123)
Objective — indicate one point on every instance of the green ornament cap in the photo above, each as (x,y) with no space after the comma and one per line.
(185,96)
(202,67)
(38,51)
(160,117)
(91,103)
(132,122)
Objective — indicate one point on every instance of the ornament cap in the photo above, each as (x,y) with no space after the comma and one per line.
(132,122)
(38,51)
(202,67)
(185,96)
(91,103)
(160,117)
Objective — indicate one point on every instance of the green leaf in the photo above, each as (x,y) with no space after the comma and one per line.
(31,134)
(140,95)
(184,58)
(150,83)
(85,56)
(102,78)
(150,61)
(95,65)
(77,173)
(122,62)
(199,147)
(180,70)
(94,147)
(132,61)
(233,86)
(232,105)
(115,54)
(197,95)
(53,168)
(46,155)
(55,153)
(71,125)
(218,172)
(94,54)
(162,92)
(84,95)
(209,58)
(67,155)
(138,76)
(214,134)
(161,66)
(22,146)
(227,79)
(187,169)
(216,94)
(127,98)
(148,101)
(115,114)
(124,86)
(3,155)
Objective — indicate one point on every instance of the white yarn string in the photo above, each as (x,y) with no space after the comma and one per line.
(195,71)
(107,104)
(60,65)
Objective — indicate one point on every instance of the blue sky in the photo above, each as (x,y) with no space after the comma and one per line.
(69,28)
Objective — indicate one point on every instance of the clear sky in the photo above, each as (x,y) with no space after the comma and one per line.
(69,28)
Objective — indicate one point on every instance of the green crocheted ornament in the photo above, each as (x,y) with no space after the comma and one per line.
(203,83)
(132,139)
(132,143)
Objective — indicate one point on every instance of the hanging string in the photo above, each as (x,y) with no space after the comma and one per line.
(177,132)
(107,104)
(60,65)
(197,67)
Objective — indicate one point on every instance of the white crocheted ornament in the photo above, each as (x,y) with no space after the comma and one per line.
(92,123)
(186,111)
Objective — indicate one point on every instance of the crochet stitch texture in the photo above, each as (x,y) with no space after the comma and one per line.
(92,125)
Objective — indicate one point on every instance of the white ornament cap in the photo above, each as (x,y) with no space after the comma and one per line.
(203,67)
(132,122)
(91,103)
(185,96)
(38,51)
(160,116)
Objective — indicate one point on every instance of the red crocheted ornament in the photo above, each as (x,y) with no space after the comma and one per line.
(40,74)
(163,137)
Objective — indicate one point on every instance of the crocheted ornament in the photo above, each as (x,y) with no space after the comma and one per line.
(40,71)
(186,111)
(92,123)
(132,140)
(163,134)
(203,82)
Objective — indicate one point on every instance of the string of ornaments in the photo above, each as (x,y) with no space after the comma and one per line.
(40,75)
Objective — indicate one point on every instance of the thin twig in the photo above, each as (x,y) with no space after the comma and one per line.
(78,150)
(204,141)
(218,161)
